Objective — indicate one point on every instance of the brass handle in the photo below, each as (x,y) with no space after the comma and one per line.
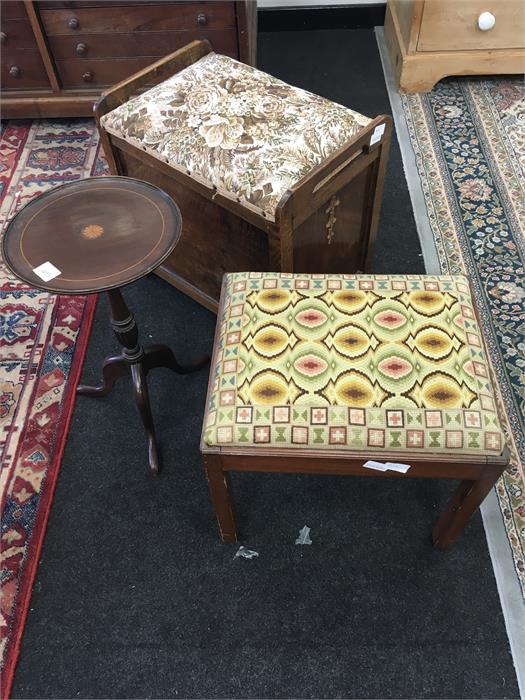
(202,18)
(14,72)
(87,77)
(3,37)
(81,49)
(73,23)
(330,224)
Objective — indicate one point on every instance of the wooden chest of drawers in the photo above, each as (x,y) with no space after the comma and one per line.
(430,39)
(57,56)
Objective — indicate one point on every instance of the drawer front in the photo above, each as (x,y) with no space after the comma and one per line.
(75,4)
(22,70)
(17,34)
(84,73)
(92,46)
(13,10)
(140,18)
(452,25)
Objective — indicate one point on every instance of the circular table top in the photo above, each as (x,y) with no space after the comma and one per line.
(92,235)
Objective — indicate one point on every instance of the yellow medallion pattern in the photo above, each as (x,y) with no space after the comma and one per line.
(355,362)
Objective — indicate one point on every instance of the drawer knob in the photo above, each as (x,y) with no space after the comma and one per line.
(81,49)
(202,19)
(3,37)
(486,21)
(87,77)
(14,72)
(73,23)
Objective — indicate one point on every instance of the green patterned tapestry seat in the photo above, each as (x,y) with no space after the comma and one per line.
(353,362)
(235,128)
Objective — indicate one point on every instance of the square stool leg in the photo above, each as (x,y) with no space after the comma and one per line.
(220,493)
(466,499)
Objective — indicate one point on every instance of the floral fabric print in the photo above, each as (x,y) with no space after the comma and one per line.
(239,130)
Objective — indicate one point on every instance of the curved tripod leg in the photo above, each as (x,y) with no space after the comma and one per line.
(162,356)
(112,369)
(141,396)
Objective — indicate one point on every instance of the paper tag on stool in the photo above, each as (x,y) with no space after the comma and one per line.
(47,271)
(377,134)
(394,466)
(375,465)
(385,466)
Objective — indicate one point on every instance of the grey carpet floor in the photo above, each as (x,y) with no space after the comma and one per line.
(136,597)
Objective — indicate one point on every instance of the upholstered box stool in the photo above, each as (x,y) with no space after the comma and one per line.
(267,176)
(323,373)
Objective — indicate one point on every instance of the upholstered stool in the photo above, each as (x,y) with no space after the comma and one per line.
(267,176)
(327,373)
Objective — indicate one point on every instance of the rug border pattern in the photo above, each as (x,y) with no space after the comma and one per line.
(21,180)
(431,166)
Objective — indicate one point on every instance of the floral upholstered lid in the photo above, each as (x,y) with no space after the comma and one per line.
(235,128)
(351,362)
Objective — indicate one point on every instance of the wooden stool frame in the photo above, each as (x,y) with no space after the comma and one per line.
(477,473)
(242,238)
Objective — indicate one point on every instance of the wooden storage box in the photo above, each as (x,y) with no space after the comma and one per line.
(325,221)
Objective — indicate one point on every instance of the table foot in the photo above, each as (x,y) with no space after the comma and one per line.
(141,396)
(162,356)
(138,361)
(112,369)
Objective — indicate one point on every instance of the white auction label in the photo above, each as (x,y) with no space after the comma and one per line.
(385,466)
(377,134)
(371,464)
(396,467)
(47,271)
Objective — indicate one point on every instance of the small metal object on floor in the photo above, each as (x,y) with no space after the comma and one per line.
(304,536)
(97,235)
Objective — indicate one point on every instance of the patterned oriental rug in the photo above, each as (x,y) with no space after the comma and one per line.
(468,136)
(43,340)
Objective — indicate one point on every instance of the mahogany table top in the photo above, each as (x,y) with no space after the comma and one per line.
(92,235)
